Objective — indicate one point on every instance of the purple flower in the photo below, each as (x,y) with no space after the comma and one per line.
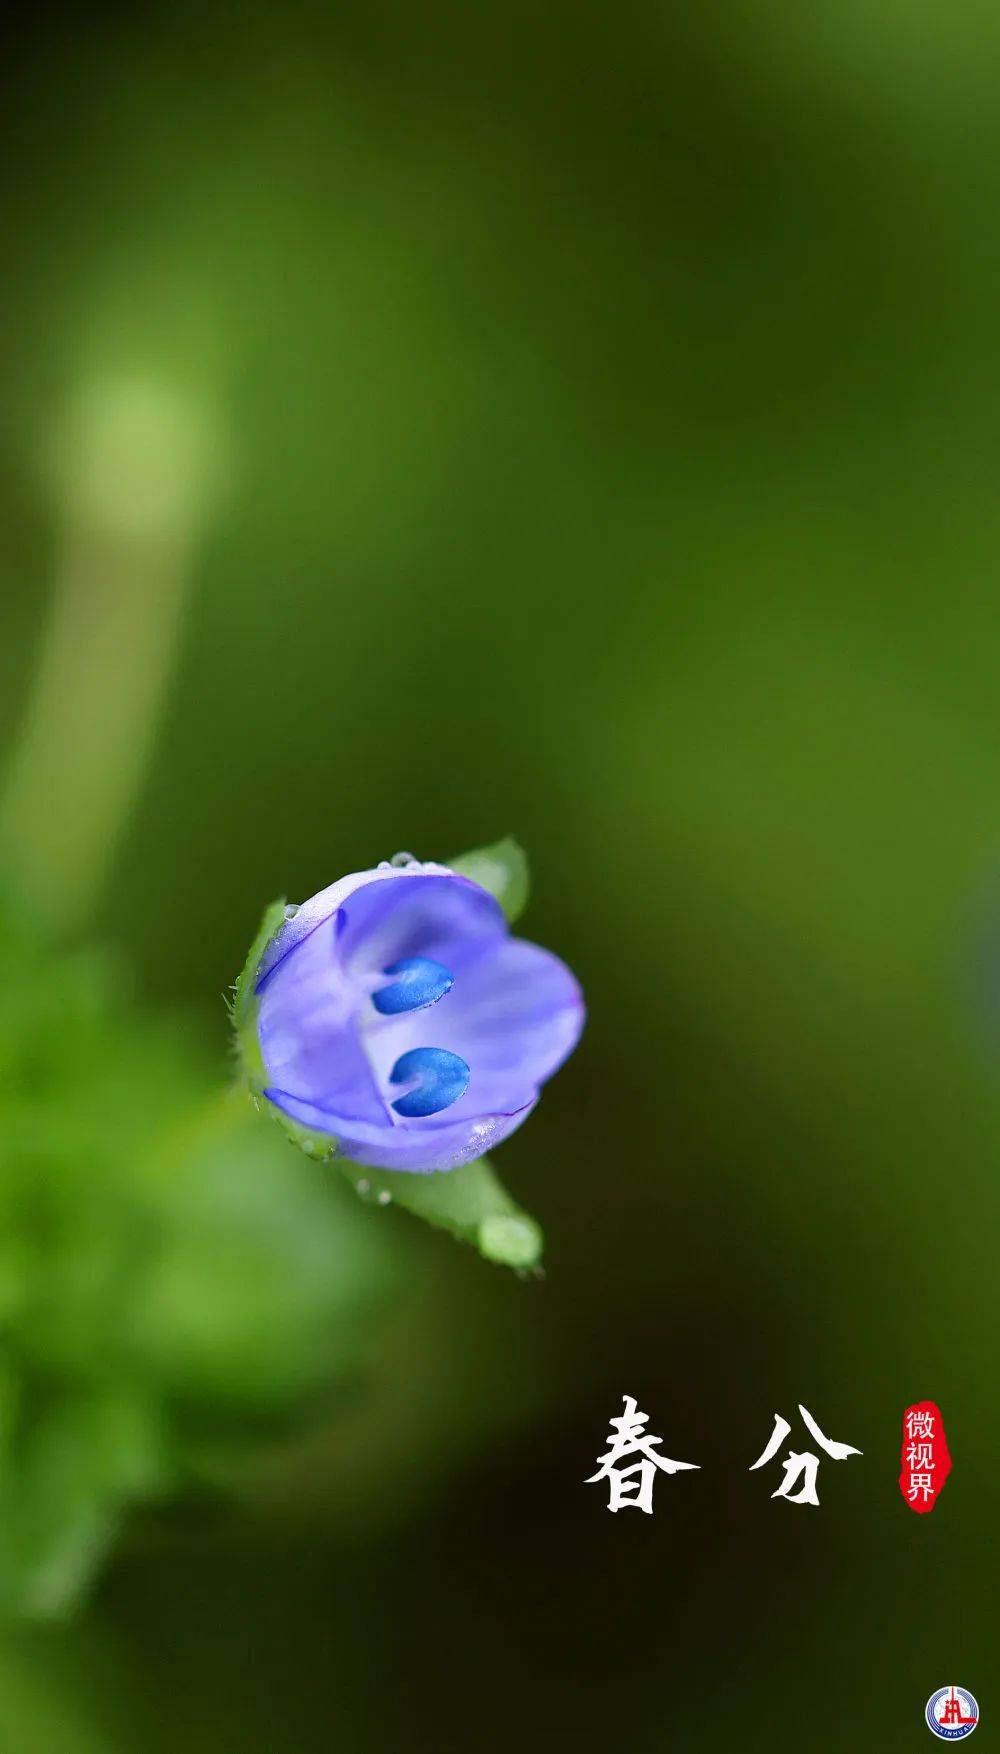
(397,1015)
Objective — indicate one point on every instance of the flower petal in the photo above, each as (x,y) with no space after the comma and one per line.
(307,1024)
(311,997)
(422,1146)
(513,1015)
(324,904)
(445,919)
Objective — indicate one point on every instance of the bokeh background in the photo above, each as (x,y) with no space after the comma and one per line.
(422,423)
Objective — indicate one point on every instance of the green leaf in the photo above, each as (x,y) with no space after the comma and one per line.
(175,1283)
(502,869)
(470,1202)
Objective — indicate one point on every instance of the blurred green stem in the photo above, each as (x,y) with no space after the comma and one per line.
(132,484)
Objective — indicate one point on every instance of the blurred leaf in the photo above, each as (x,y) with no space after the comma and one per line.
(502,869)
(470,1202)
(77,1460)
(173,1281)
(259,1298)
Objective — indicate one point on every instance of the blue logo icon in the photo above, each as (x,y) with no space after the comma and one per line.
(952,1713)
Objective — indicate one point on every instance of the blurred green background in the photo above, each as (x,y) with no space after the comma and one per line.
(424,422)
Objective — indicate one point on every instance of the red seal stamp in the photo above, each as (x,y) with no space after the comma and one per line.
(925,1462)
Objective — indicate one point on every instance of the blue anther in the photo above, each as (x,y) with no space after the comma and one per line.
(416,982)
(443,1079)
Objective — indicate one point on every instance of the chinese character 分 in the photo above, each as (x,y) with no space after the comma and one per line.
(804,1466)
(633,1485)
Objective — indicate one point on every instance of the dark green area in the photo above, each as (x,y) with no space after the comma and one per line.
(596,430)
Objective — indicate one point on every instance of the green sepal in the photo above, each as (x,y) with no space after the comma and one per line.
(244,1005)
(470,1202)
(243,1010)
(322,1146)
(502,869)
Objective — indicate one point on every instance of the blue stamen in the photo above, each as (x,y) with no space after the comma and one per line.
(417,981)
(443,1079)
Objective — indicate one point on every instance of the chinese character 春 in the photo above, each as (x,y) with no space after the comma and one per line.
(804,1466)
(633,1485)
